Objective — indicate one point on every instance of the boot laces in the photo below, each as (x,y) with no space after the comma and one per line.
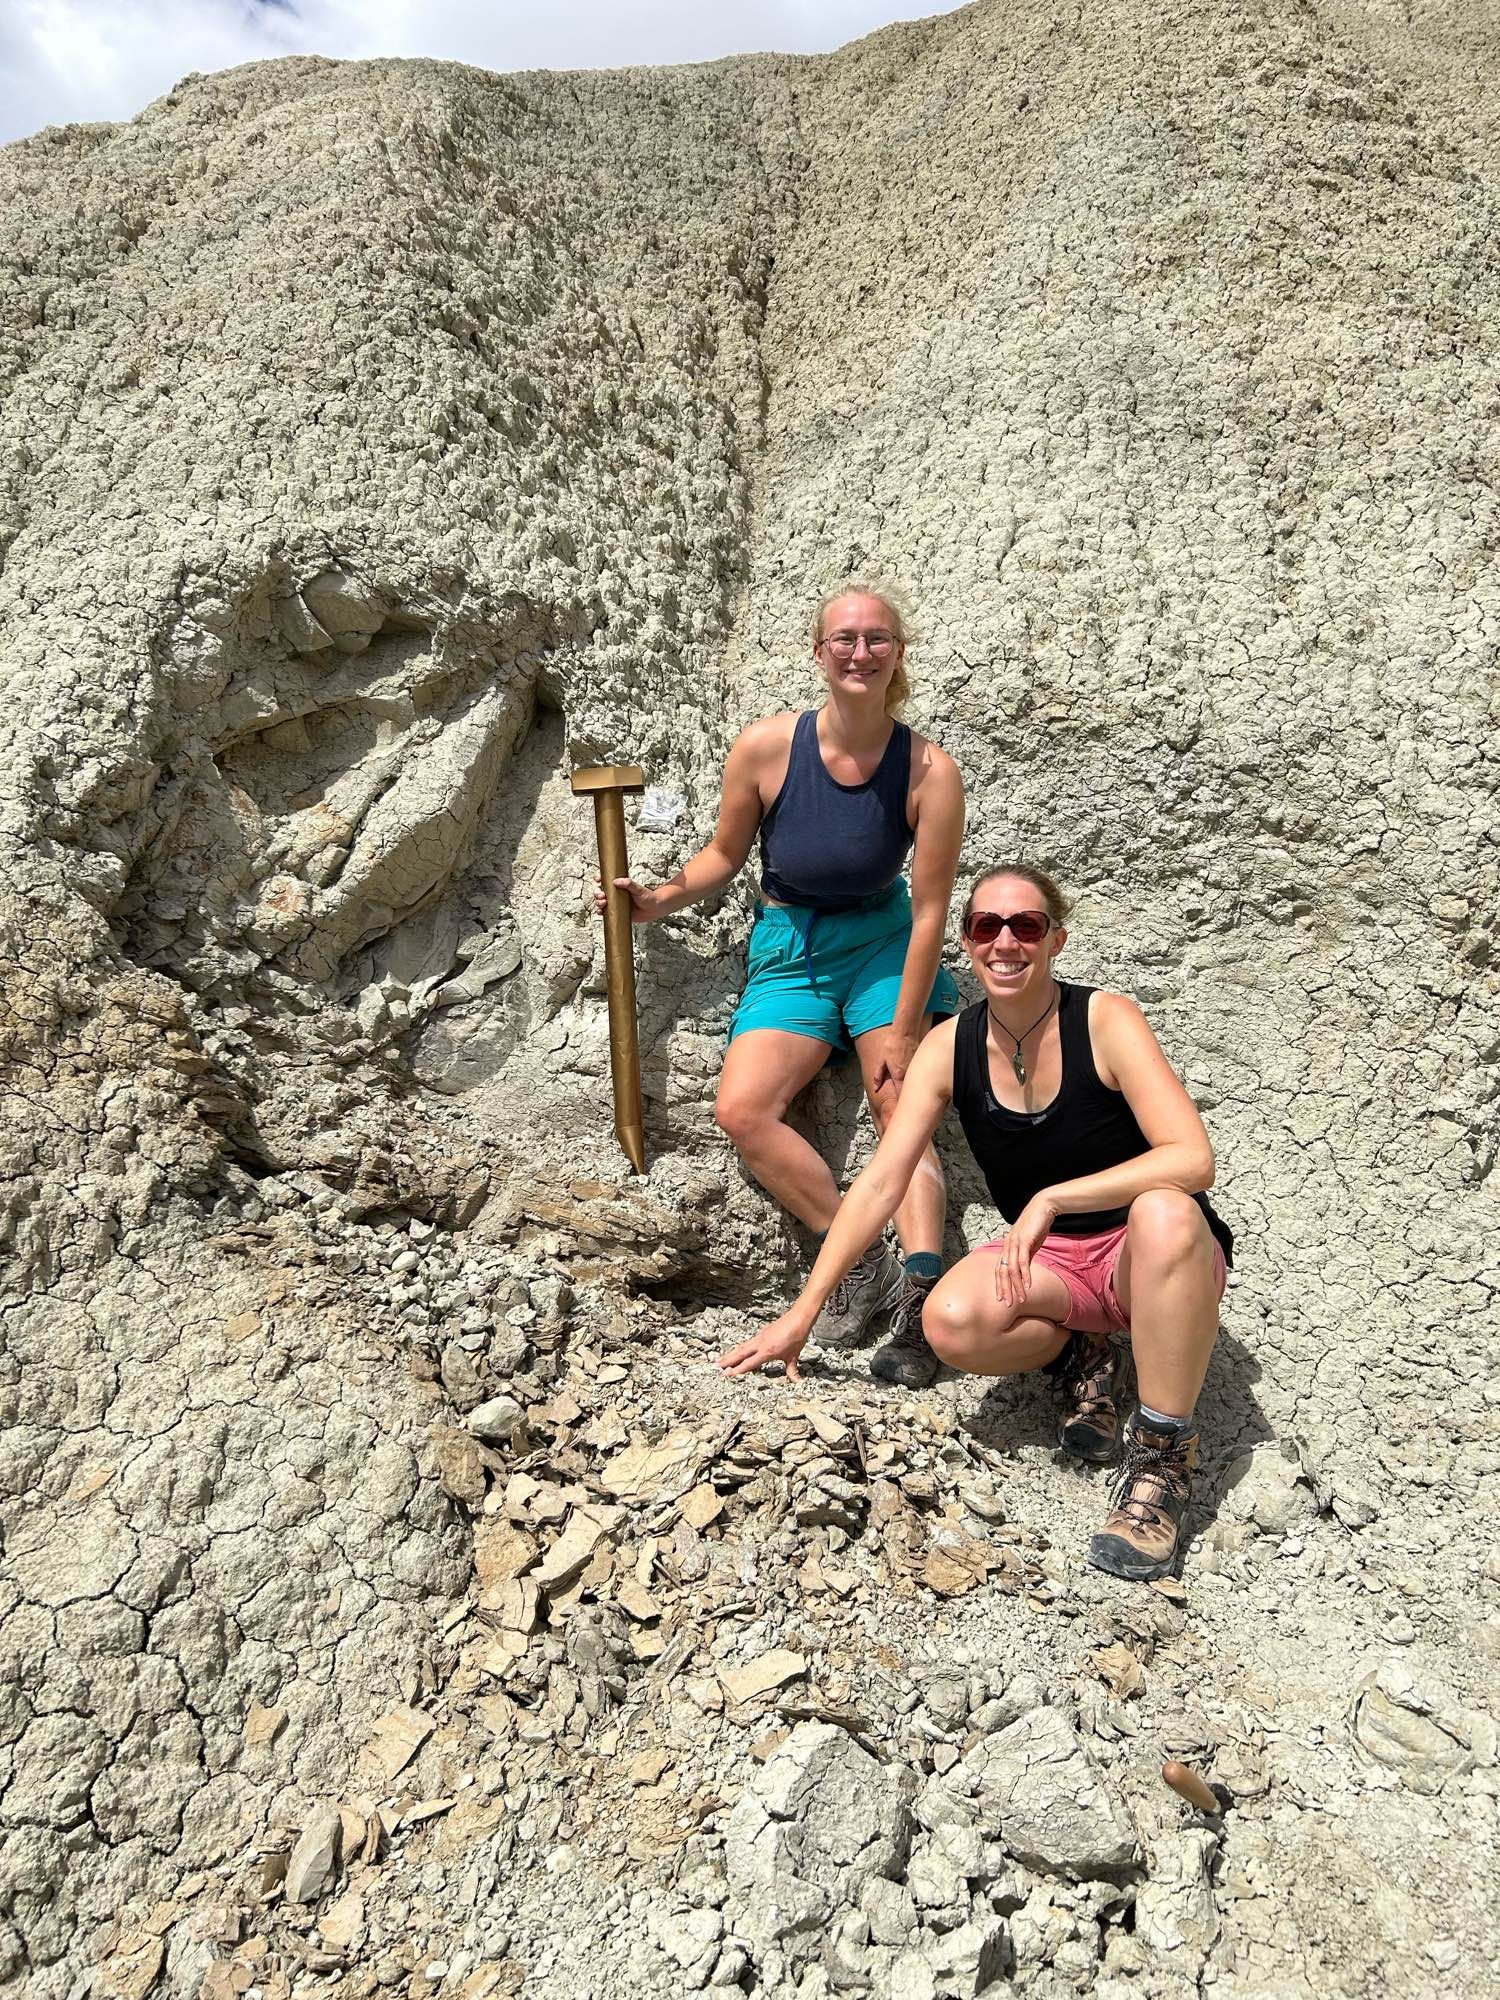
(1150,1479)
(1087,1377)
(860,1273)
(906,1321)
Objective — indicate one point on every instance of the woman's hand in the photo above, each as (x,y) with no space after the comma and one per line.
(895,1060)
(782,1340)
(1026,1236)
(643,901)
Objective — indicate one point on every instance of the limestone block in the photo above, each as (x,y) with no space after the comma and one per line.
(822,1818)
(315,1857)
(1036,1786)
(1265,1491)
(1416,1730)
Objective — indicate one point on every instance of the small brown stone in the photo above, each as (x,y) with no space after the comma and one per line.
(763,1676)
(395,1740)
(263,1725)
(648,1766)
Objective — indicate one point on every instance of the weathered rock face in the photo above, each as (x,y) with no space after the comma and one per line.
(379,440)
(823,1819)
(1034,1783)
(476,456)
(387,436)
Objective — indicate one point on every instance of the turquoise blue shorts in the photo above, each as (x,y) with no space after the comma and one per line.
(832,975)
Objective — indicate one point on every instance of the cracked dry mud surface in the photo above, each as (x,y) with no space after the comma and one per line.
(394,1598)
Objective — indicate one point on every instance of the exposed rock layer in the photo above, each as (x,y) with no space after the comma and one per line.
(381,439)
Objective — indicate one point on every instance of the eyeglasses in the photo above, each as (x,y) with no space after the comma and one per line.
(1025,926)
(842,644)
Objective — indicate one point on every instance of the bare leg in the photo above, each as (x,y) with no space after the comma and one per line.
(919,1219)
(967,1326)
(763,1072)
(1165,1279)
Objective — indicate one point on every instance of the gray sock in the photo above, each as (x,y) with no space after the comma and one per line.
(1159,1421)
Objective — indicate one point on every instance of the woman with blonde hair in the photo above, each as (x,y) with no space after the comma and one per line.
(841,956)
(1097,1158)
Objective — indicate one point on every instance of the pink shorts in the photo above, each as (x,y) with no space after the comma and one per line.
(1086,1265)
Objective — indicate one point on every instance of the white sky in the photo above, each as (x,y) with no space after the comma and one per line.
(64,61)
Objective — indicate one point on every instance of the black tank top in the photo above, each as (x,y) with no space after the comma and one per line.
(827,846)
(1086,1128)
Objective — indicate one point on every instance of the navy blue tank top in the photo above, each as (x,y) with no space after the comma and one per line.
(827,846)
(1086,1128)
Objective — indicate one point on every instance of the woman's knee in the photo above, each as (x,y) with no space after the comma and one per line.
(740,1116)
(964,1330)
(882,1104)
(979,1336)
(949,1323)
(1166,1226)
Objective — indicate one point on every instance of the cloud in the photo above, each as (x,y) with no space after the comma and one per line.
(63,61)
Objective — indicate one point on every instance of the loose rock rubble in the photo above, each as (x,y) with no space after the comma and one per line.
(394,1598)
(801,1689)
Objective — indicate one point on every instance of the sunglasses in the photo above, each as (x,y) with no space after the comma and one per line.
(1025,926)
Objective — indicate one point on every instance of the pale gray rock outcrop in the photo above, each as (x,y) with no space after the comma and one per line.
(380,440)
(1418,1731)
(822,1820)
(1035,1786)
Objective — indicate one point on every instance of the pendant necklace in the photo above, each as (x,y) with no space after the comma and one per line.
(1018,1061)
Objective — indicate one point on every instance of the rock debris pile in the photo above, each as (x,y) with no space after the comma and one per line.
(394,1598)
(785,1688)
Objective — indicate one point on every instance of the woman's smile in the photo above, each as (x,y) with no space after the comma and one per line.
(1005,972)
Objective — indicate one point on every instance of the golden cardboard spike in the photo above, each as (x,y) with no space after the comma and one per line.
(1187,1784)
(609,783)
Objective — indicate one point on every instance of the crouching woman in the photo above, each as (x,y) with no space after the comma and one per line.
(1097,1158)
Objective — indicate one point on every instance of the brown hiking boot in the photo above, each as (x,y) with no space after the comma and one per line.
(861,1299)
(1088,1372)
(906,1359)
(1139,1538)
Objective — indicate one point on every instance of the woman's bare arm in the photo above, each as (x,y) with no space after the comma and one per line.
(872,1200)
(940,834)
(725,855)
(1130,1059)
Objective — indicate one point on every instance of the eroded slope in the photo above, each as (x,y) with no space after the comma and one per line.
(379,441)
